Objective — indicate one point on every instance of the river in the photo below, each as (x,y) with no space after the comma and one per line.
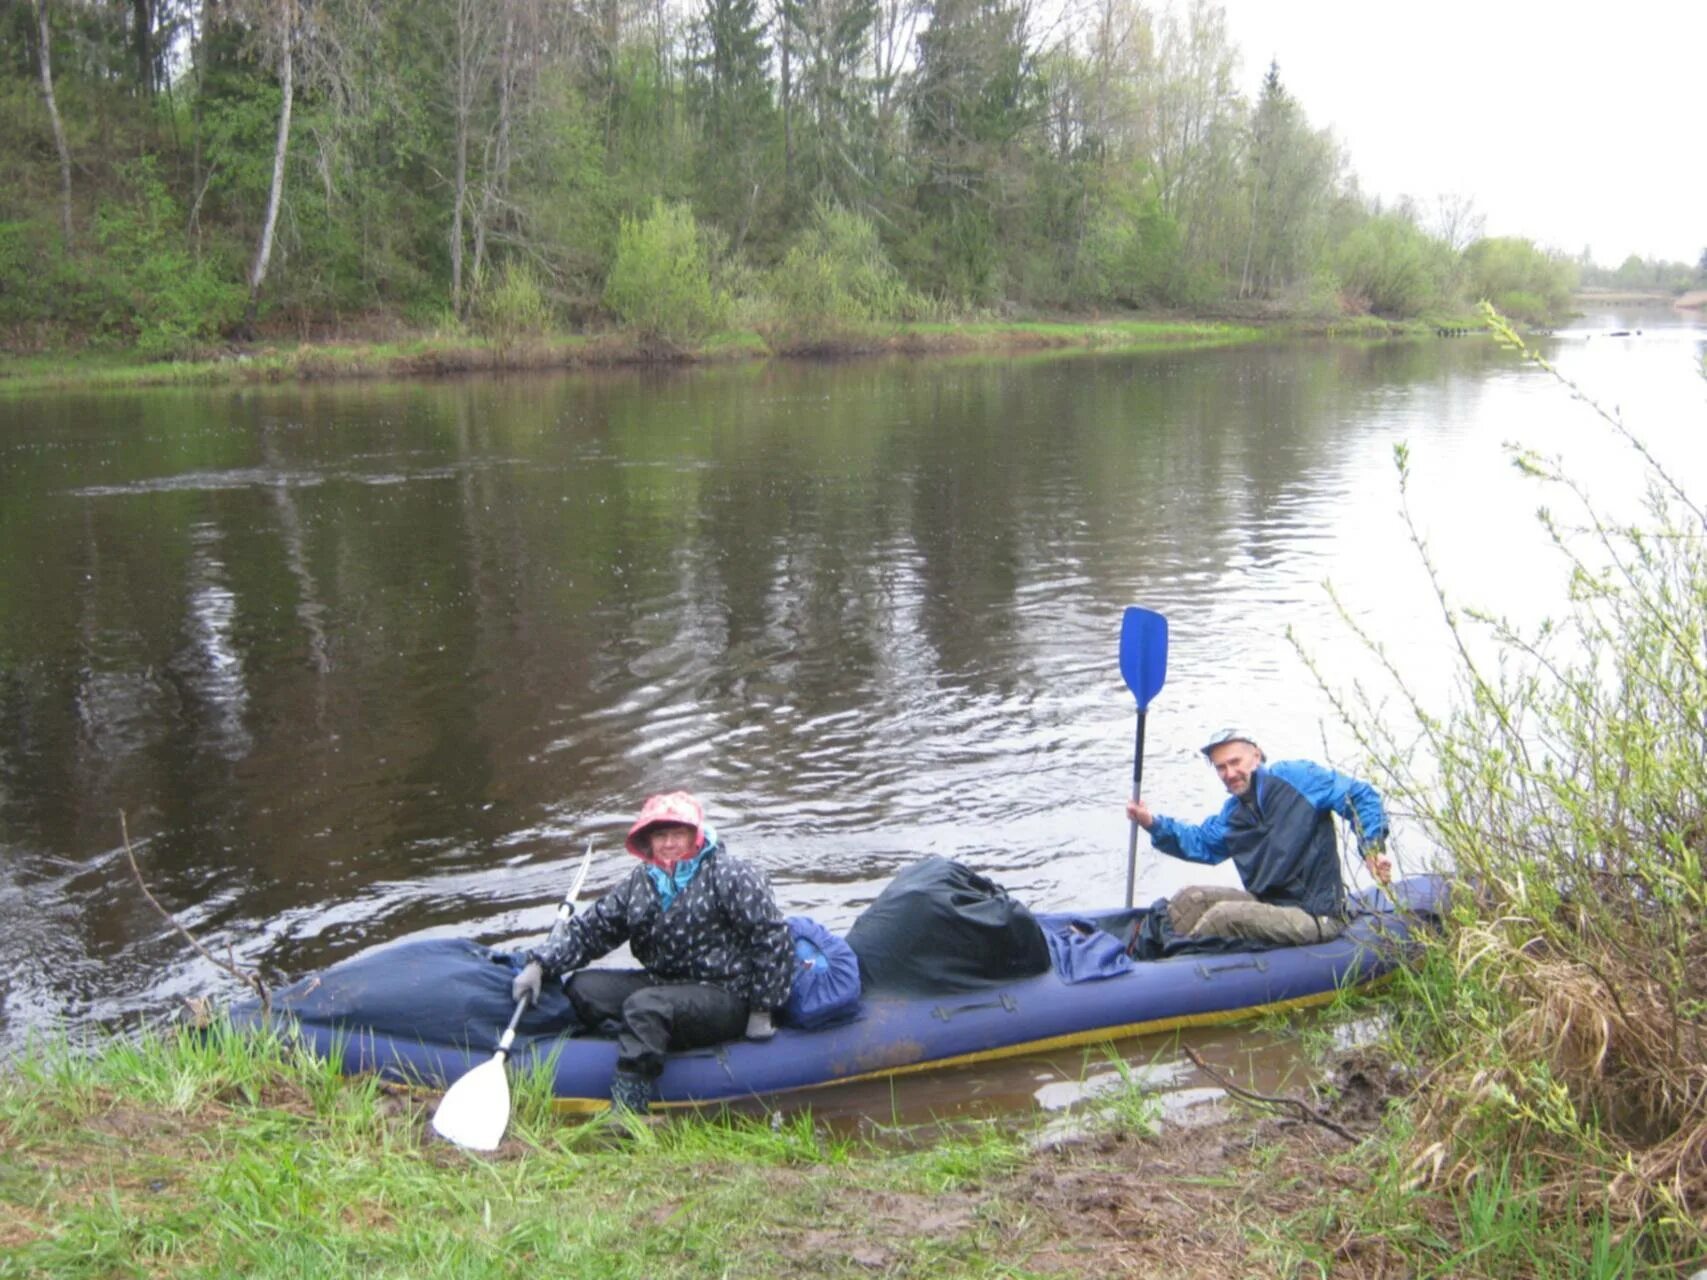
(364,662)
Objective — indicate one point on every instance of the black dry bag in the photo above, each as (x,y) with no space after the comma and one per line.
(940,926)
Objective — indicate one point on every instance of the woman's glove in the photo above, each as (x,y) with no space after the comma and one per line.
(527,983)
(759,1025)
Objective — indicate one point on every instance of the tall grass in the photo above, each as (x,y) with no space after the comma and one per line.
(1566,1007)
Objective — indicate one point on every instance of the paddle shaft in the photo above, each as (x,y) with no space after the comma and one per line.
(1137,793)
(509,1036)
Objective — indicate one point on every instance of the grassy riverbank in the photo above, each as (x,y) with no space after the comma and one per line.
(224,1155)
(191,1154)
(430,355)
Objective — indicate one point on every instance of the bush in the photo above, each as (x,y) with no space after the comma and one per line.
(1131,255)
(837,278)
(1394,267)
(513,306)
(1566,1009)
(40,289)
(660,283)
(158,296)
(1520,280)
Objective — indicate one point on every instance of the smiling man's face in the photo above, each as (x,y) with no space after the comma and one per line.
(1234,763)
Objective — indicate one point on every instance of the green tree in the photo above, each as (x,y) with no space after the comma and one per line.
(1291,177)
(1197,136)
(730,95)
(563,195)
(974,97)
(834,127)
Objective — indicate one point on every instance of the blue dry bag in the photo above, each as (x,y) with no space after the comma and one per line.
(826,977)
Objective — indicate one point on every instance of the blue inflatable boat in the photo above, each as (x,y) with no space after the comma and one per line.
(426,1012)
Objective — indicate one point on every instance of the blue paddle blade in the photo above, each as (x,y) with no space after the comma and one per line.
(1143,652)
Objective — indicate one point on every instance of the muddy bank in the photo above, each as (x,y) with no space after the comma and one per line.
(1206,1196)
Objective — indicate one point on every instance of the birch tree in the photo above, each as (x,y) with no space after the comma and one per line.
(1197,110)
(44,66)
(283,40)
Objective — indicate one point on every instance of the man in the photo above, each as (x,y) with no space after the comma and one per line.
(1278,828)
(718,955)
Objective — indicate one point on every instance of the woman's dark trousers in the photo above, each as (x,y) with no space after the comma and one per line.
(652,1018)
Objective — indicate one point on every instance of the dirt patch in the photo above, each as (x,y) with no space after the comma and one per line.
(1196,1200)
(1186,1202)
(887,1222)
(1179,1204)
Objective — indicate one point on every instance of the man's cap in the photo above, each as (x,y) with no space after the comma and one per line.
(1224,736)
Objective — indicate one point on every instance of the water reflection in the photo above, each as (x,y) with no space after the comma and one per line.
(367,662)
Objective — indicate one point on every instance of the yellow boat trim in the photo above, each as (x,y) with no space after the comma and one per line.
(1097,1035)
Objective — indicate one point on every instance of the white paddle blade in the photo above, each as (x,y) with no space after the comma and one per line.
(475,1110)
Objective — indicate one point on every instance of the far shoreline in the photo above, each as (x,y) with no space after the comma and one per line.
(428,355)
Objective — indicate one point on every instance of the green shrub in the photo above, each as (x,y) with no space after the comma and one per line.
(49,297)
(660,283)
(513,306)
(1564,1012)
(1521,305)
(1388,265)
(158,296)
(837,278)
(1521,280)
(1133,256)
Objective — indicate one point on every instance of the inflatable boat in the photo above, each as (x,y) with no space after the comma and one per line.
(426,1012)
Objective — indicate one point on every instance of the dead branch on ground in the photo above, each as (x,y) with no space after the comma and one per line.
(1303,1110)
(251,980)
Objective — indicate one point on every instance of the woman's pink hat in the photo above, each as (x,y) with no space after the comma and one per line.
(669,807)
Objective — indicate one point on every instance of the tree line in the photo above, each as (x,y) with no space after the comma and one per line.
(185,169)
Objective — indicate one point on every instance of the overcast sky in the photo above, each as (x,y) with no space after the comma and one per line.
(1572,125)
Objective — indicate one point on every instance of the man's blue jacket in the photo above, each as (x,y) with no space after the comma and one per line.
(1280,834)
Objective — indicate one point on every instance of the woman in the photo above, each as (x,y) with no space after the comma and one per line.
(719,956)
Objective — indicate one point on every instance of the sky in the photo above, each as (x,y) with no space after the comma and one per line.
(1573,125)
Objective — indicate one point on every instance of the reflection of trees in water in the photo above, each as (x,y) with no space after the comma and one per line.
(208,666)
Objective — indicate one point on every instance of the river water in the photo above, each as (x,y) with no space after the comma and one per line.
(365,662)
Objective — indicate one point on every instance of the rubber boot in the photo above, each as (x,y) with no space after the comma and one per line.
(631,1093)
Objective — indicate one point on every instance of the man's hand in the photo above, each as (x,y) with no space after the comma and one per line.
(1379,864)
(527,983)
(1139,812)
